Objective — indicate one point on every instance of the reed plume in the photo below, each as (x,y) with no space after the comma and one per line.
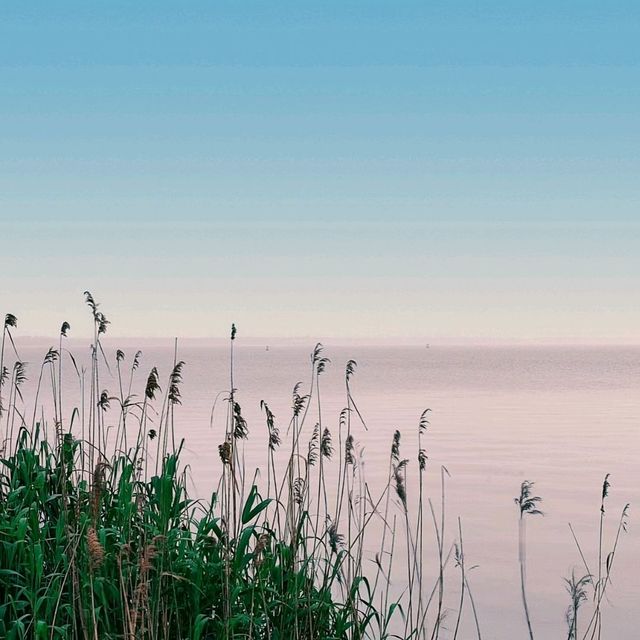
(528,505)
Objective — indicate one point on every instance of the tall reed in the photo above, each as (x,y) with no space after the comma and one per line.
(527,505)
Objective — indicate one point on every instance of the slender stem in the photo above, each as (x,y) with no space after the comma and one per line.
(522,554)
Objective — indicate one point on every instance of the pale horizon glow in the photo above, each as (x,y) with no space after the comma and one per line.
(374,171)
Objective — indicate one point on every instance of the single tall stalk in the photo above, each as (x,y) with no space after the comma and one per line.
(599,585)
(63,334)
(527,504)
(460,563)
(9,321)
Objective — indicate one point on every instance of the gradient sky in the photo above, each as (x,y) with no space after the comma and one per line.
(348,169)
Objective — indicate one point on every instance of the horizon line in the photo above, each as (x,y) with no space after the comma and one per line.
(411,340)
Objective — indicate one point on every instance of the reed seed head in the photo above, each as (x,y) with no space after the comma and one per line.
(326,448)
(226,451)
(96,551)
(527,502)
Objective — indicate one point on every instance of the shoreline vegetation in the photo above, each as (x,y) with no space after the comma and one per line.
(100,540)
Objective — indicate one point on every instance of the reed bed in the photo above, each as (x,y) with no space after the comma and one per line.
(99,538)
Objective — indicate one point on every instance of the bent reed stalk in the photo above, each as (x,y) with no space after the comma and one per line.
(99,540)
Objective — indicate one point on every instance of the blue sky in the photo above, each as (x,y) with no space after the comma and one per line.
(348,169)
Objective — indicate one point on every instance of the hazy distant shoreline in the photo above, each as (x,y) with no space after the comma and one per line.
(310,341)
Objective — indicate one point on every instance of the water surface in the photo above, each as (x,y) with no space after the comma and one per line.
(560,416)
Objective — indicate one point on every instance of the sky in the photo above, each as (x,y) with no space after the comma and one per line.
(436,170)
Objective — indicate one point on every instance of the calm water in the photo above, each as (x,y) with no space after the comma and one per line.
(560,416)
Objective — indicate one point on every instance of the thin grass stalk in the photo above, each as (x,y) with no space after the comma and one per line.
(527,504)
(440,538)
(422,463)
(605,492)
(2,374)
(439,544)
(460,563)
(622,527)
(473,608)
(385,520)
(9,321)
